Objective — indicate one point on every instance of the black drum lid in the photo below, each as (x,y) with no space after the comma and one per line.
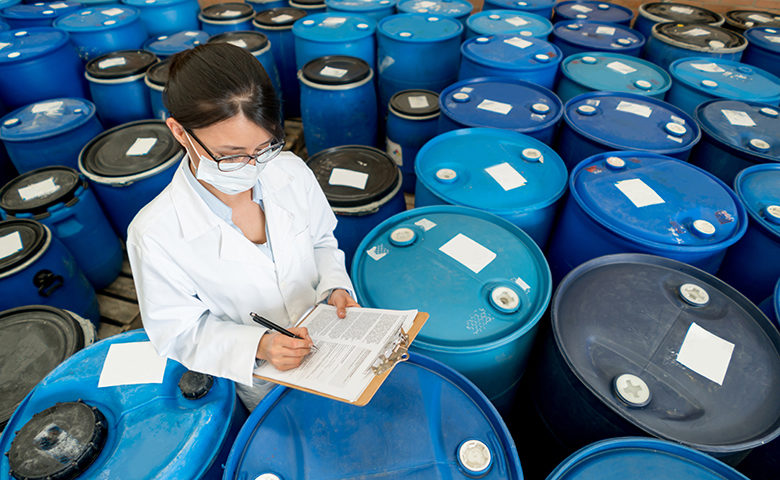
(33,341)
(383,176)
(224,11)
(625,314)
(252,41)
(130,149)
(36,191)
(667,11)
(336,70)
(678,33)
(279,17)
(415,103)
(741,19)
(121,64)
(33,237)
(309,3)
(158,74)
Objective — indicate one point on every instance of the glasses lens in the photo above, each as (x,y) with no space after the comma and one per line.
(269,153)
(233,162)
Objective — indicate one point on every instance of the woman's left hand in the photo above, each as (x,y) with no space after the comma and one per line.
(340,299)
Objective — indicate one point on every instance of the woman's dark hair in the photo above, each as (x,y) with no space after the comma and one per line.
(216,81)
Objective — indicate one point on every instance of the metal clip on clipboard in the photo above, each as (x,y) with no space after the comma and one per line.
(396,351)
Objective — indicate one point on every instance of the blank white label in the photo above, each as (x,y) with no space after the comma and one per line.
(348,178)
(516,21)
(425,224)
(521,283)
(131,364)
(683,10)
(581,8)
(10,244)
(496,107)
(113,12)
(605,30)
(38,189)
(112,62)
(333,21)
(395,151)
(230,13)
(506,176)
(706,353)
(190,34)
(377,252)
(635,108)
(759,18)
(468,253)
(518,42)
(640,194)
(773,39)
(141,146)
(282,18)
(57,6)
(419,101)
(3,45)
(239,43)
(739,118)
(695,32)
(674,139)
(46,107)
(708,67)
(333,72)
(426,5)
(621,68)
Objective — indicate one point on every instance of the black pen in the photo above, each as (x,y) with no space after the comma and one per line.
(269,324)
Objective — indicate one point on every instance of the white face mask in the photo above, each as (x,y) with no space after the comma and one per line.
(229,183)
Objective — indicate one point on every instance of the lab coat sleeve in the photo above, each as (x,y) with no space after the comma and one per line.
(180,325)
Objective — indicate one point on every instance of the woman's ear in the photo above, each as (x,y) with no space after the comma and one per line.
(177,130)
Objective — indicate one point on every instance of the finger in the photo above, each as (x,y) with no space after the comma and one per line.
(340,302)
(294,343)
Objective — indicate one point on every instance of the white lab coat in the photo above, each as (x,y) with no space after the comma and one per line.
(187,261)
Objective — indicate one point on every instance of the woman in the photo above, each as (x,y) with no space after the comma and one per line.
(242,227)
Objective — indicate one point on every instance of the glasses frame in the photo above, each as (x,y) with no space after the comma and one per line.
(273,143)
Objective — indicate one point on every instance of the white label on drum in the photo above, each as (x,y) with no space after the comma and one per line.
(348,178)
(426,4)
(708,67)
(46,107)
(112,62)
(333,21)
(282,18)
(230,13)
(605,30)
(640,194)
(468,253)
(10,244)
(773,39)
(3,45)
(57,6)
(759,18)
(113,12)
(38,189)
(518,42)
(239,43)
(495,107)
(516,21)
(191,34)
(506,176)
(695,32)
(581,8)
(377,252)
(635,108)
(425,224)
(521,283)
(674,139)
(683,10)
(677,119)
(739,118)
(621,67)
(132,363)
(333,72)
(706,353)
(419,101)
(141,147)
(466,89)
(395,151)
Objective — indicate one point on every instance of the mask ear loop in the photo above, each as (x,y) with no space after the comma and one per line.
(201,157)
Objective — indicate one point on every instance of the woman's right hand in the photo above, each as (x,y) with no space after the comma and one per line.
(283,352)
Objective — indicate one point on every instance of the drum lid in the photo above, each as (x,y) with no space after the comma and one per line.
(36,191)
(45,119)
(167,45)
(744,19)
(20,241)
(279,17)
(98,18)
(121,64)
(40,10)
(415,103)
(704,37)
(336,70)
(28,43)
(252,41)
(681,12)
(158,73)
(227,11)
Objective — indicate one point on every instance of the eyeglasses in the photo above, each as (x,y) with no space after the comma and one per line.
(231,163)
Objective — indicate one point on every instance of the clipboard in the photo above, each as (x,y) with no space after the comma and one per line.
(396,351)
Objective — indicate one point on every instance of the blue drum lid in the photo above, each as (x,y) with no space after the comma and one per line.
(449,8)
(45,119)
(512,52)
(726,78)
(425,257)
(121,64)
(34,192)
(598,35)
(419,27)
(593,10)
(524,4)
(3,26)
(153,3)
(21,241)
(29,43)
(491,22)
(628,121)
(253,41)
(742,20)
(501,102)
(415,104)
(491,169)
(278,18)
(334,27)
(8,3)
(39,11)
(701,38)
(680,13)
(227,12)
(766,37)
(617,458)
(97,18)
(424,414)
(671,349)
(616,72)
(168,45)
(758,187)
(158,73)
(359,6)
(749,127)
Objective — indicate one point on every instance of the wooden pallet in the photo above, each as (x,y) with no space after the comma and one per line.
(119,305)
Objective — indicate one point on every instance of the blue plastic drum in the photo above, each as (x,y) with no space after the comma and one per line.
(611,459)
(524,58)
(33,341)
(262,5)
(374,9)
(502,172)
(752,266)
(166,45)
(592,10)
(4,26)
(648,203)
(543,8)
(334,33)
(27,62)
(61,199)
(49,133)
(164,17)
(484,282)
(155,80)
(37,14)
(611,72)
(277,24)
(116,81)
(258,45)
(457,9)
(338,103)
(672,41)
(600,122)
(698,79)
(579,36)
(443,428)
(98,3)
(742,20)
(763,49)
(117,431)
(412,120)
(226,17)
(416,50)
(309,6)
(128,166)
(37,269)
(736,135)
(492,22)
(363,187)
(501,102)
(9,3)
(99,30)
(659,12)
